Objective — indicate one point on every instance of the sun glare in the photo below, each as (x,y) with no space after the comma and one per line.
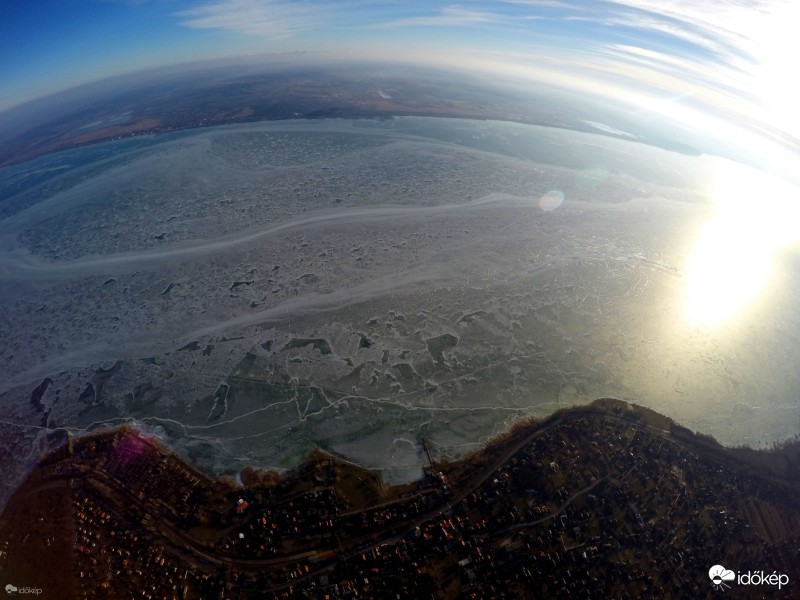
(730,265)
(776,46)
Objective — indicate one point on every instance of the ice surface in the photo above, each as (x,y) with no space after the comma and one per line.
(249,292)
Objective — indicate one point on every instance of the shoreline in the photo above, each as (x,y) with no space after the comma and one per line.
(607,488)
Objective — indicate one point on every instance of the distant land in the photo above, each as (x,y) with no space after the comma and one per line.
(606,500)
(154,104)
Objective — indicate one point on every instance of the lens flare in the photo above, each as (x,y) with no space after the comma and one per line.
(551,200)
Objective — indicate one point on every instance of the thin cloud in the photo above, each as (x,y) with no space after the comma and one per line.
(543,4)
(741,49)
(451,16)
(733,29)
(276,19)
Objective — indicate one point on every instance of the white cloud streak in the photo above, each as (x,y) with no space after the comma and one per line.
(451,16)
(733,56)
(274,19)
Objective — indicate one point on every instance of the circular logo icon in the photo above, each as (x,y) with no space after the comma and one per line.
(719,575)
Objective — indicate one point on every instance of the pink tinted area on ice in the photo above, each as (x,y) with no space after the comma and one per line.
(551,200)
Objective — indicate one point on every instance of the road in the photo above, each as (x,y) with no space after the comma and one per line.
(208,558)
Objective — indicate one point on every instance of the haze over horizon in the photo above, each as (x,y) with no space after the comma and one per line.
(720,66)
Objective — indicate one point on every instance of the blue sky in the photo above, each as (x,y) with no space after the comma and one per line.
(733,56)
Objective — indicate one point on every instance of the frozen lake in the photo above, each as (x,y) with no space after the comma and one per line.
(249,292)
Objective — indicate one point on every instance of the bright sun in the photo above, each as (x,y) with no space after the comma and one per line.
(756,216)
